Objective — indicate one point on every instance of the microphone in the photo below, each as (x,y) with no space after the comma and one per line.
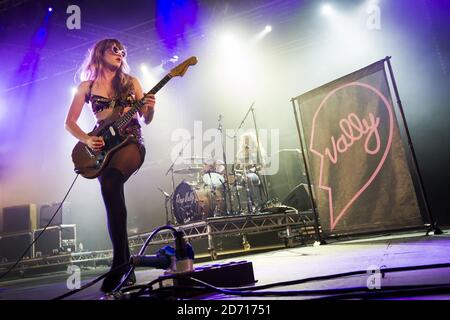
(184,253)
(162,259)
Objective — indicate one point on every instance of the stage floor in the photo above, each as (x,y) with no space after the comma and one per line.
(406,249)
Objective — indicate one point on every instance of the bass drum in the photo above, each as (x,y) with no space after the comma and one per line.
(192,203)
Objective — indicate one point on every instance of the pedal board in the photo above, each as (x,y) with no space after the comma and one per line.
(225,275)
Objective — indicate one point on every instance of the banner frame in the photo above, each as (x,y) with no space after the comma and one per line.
(410,156)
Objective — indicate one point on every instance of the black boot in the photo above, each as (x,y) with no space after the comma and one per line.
(113,280)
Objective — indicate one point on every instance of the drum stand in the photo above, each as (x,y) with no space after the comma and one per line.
(167,198)
(250,202)
(259,157)
(226,185)
(235,185)
(214,201)
(173,179)
(263,182)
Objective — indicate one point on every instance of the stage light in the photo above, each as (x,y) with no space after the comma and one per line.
(261,34)
(169,63)
(327,10)
(144,68)
(50,9)
(228,41)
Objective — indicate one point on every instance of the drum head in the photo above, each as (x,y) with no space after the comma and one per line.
(253,178)
(213,179)
(185,203)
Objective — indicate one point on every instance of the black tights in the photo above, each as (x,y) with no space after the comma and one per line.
(123,163)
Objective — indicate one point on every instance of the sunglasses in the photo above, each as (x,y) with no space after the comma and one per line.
(117,51)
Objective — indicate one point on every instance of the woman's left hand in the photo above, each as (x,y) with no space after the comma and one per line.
(149,103)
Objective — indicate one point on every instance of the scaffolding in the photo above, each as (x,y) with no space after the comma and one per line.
(292,227)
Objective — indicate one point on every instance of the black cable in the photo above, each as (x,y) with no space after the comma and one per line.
(87,285)
(310,292)
(243,291)
(340,293)
(154,232)
(150,284)
(407,292)
(141,252)
(344,274)
(45,228)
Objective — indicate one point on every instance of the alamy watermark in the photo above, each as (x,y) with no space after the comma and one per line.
(74,279)
(73,21)
(374,279)
(242,147)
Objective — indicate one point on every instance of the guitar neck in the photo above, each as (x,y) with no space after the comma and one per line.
(137,105)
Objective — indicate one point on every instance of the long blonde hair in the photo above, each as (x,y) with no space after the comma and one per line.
(94,62)
(248,147)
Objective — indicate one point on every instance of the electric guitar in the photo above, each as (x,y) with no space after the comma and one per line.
(90,163)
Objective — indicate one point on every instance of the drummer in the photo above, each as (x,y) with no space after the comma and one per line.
(247,155)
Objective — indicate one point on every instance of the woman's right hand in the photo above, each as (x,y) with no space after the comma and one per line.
(95,143)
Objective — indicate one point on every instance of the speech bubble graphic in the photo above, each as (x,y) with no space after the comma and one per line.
(353,129)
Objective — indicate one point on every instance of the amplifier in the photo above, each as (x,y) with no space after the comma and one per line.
(56,239)
(48,210)
(20,219)
(13,245)
(290,174)
(299,198)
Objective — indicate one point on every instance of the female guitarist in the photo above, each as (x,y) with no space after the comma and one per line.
(108,88)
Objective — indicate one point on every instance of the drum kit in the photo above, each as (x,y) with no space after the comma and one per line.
(209,190)
(212,190)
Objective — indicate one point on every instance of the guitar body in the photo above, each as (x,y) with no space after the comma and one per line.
(90,163)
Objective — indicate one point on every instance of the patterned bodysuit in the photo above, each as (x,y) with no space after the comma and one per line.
(133,128)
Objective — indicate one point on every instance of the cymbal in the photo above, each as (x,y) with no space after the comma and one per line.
(189,170)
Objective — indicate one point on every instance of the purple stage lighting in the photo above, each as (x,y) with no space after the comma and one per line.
(50,9)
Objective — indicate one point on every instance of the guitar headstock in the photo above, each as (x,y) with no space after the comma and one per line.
(181,69)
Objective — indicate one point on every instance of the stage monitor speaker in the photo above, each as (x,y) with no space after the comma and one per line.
(13,245)
(48,210)
(290,174)
(55,240)
(21,218)
(298,198)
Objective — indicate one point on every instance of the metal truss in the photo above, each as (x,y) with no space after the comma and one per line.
(290,225)
(81,259)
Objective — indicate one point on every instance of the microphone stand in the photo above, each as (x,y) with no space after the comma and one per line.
(244,177)
(167,198)
(235,185)
(226,184)
(173,164)
(245,118)
(171,170)
(259,156)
